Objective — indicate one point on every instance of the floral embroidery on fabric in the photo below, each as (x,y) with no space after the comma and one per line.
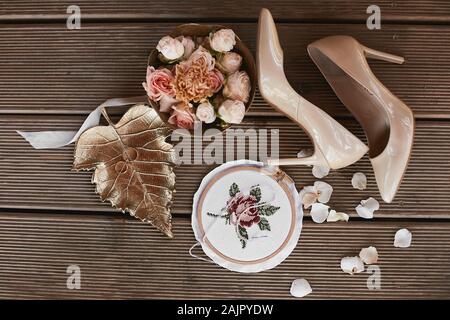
(245,210)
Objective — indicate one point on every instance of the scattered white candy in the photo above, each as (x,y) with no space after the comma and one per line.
(403,238)
(367,207)
(334,216)
(319,212)
(352,265)
(369,255)
(321,191)
(359,181)
(300,288)
(320,171)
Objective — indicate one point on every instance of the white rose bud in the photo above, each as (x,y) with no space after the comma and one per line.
(232,111)
(222,40)
(170,48)
(205,112)
(230,62)
(238,86)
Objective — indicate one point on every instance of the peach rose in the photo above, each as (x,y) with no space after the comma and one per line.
(202,57)
(222,40)
(160,82)
(205,112)
(238,86)
(232,111)
(188,44)
(215,80)
(182,116)
(195,78)
(170,48)
(229,62)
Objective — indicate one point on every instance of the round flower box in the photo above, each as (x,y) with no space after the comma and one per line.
(200,33)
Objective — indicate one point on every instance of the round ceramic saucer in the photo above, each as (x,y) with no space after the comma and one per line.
(246,216)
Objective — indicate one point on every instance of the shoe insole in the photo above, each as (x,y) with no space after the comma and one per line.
(363,105)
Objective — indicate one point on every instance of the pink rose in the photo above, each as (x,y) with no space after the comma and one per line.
(188,44)
(238,86)
(166,103)
(202,57)
(232,111)
(215,80)
(160,82)
(182,116)
(243,210)
(229,62)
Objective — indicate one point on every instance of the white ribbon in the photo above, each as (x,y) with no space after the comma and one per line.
(57,139)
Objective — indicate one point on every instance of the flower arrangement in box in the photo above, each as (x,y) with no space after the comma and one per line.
(202,74)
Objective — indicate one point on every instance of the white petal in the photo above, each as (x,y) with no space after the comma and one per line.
(359,181)
(352,265)
(337,216)
(324,191)
(367,207)
(403,238)
(300,288)
(308,196)
(305,153)
(369,255)
(319,212)
(309,199)
(320,171)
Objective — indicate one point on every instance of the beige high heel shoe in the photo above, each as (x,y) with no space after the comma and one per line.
(386,120)
(334,146)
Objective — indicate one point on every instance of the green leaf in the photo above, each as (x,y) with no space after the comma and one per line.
(267,210)
(256,192)
(227,218)
(213,215)
(234,189)
(243,232)
(264,224)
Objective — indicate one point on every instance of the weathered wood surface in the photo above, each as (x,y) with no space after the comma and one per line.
(413,11)
(123,258)
(50,217)
(50,69)
(42,178)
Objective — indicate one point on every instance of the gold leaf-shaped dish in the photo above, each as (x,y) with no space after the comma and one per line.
(133,165)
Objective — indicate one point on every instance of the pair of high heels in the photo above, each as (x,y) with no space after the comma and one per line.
(386,120)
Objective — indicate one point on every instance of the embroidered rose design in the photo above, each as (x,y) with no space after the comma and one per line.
(245,210)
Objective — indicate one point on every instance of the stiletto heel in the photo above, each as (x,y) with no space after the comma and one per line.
(374,54)
(386,120)
(334,146)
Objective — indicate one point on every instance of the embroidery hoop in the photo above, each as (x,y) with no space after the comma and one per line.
(274,258)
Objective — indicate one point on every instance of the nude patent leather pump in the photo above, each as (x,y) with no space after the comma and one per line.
(334,146)
(386,120)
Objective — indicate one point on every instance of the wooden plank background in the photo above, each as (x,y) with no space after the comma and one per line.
(50,69)
(50,217)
